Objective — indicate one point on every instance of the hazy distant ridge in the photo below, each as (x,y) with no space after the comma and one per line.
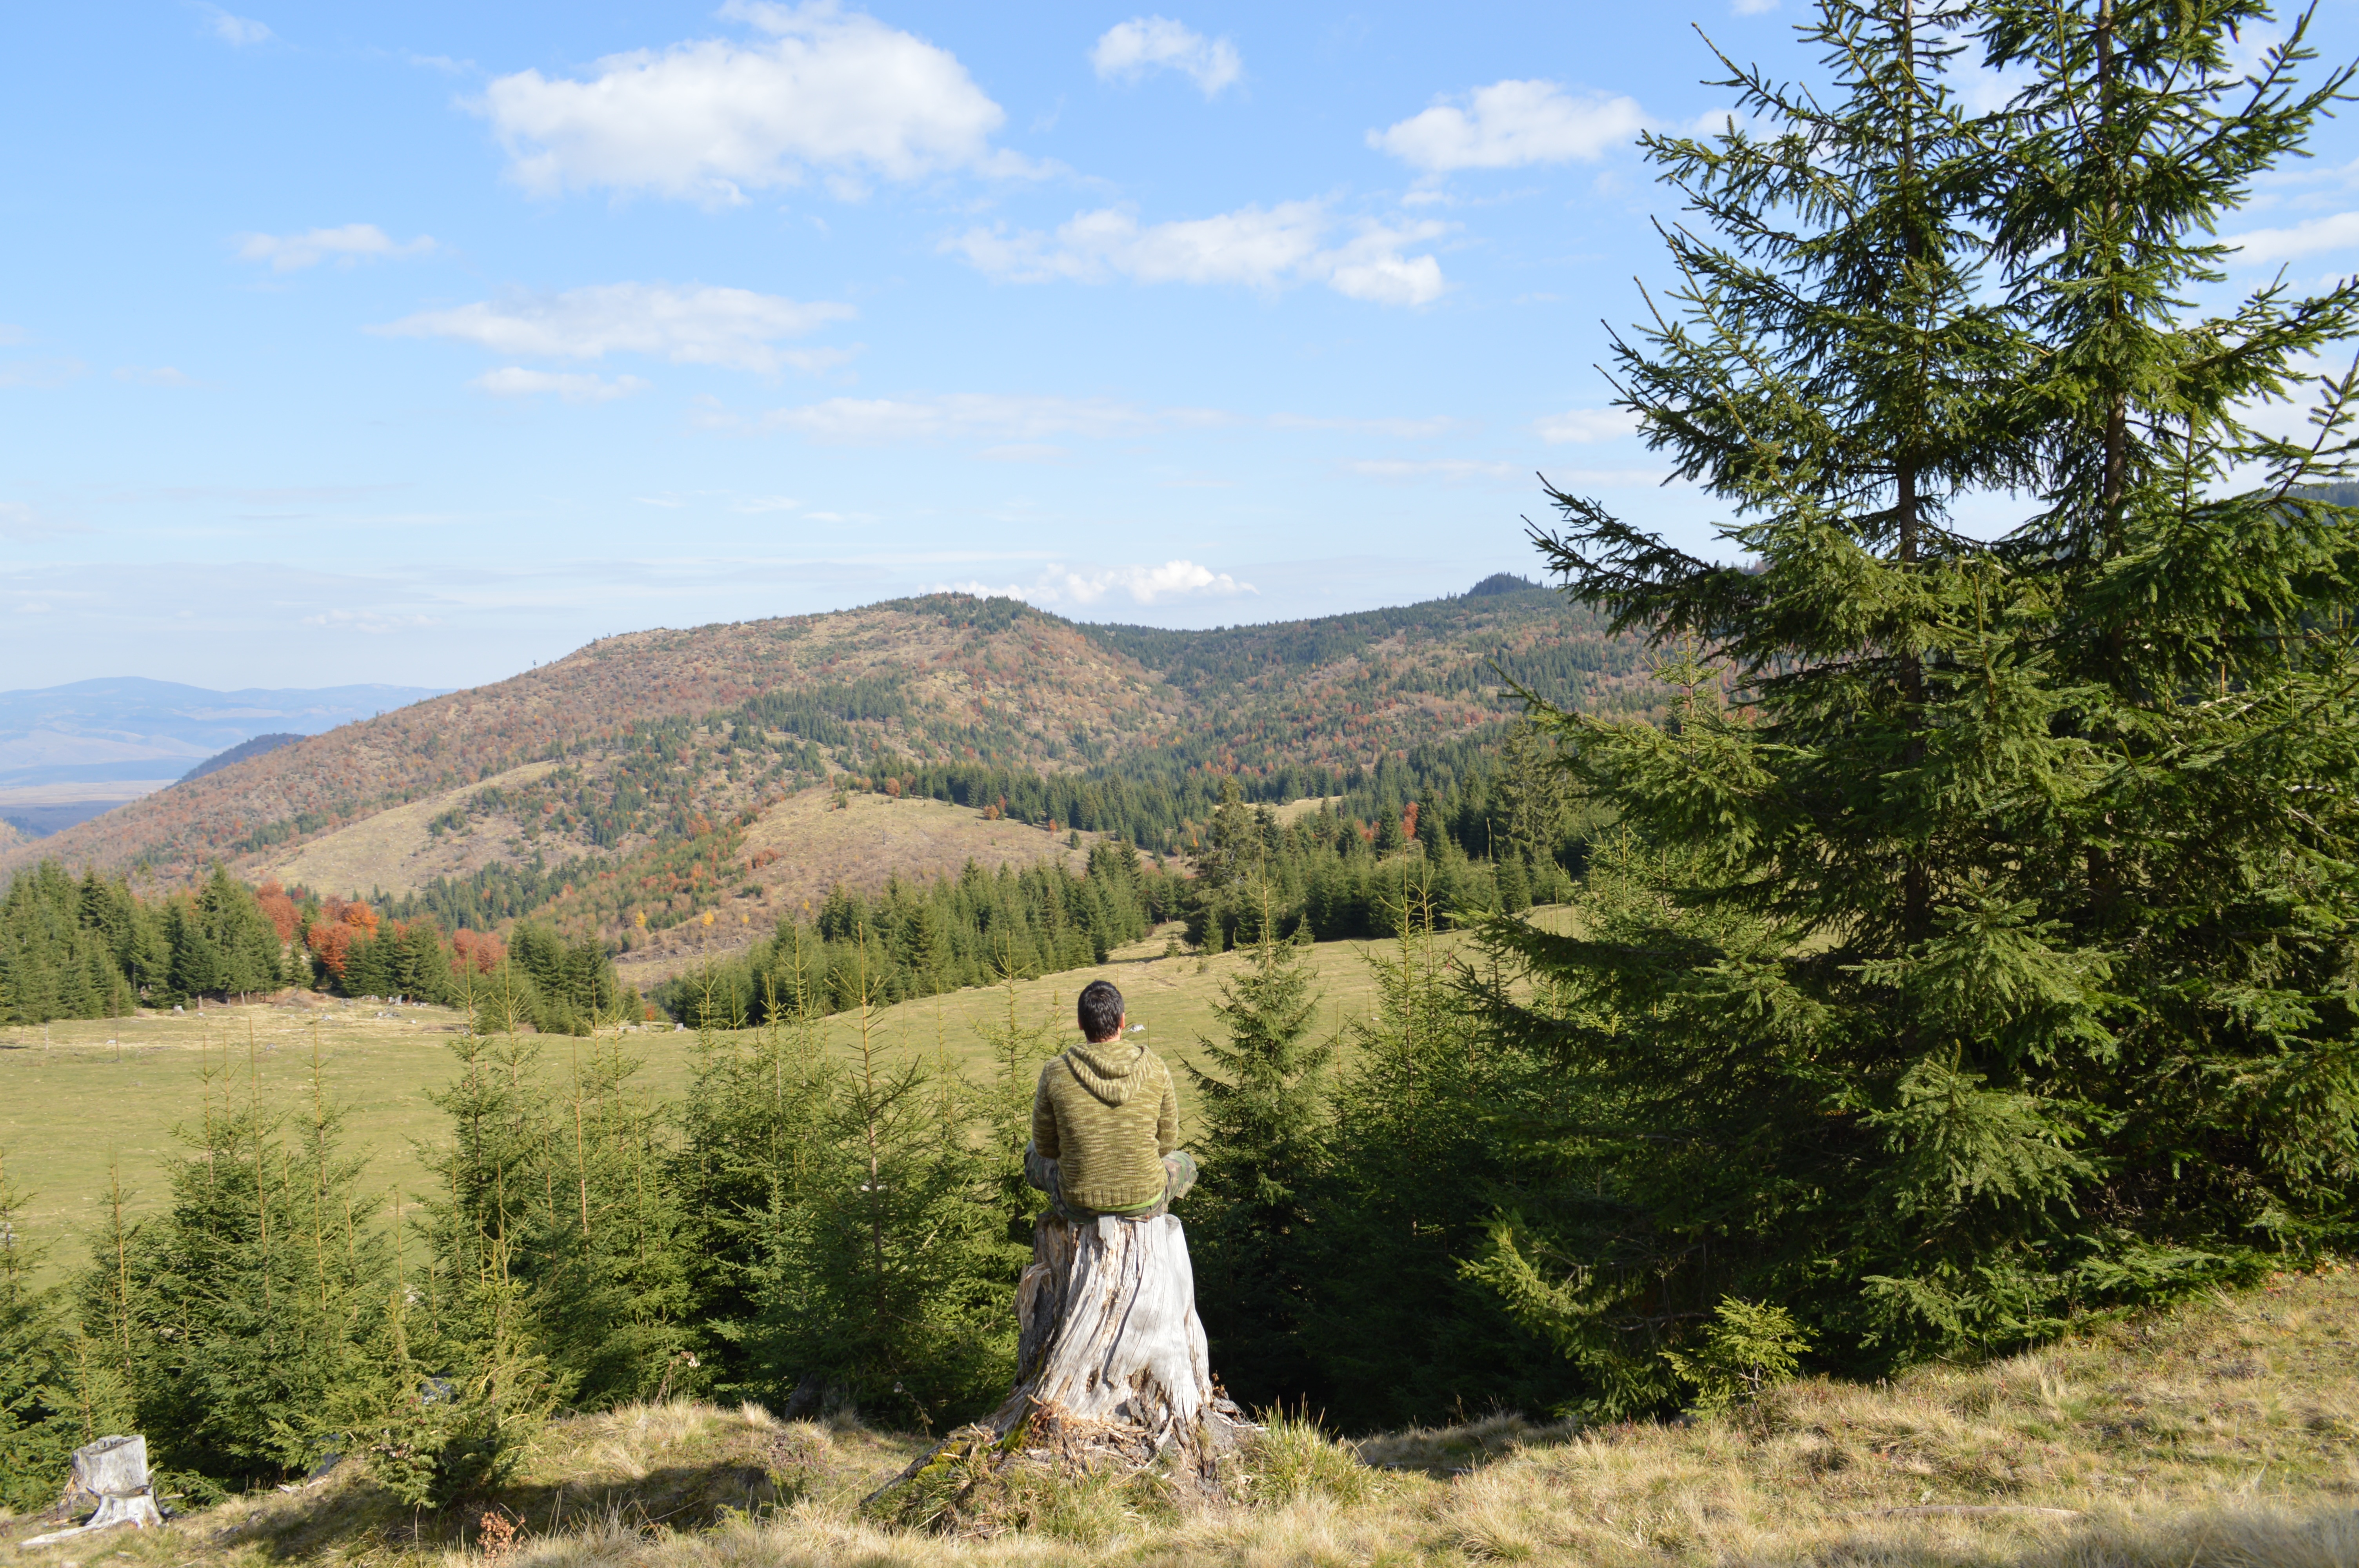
(132,728)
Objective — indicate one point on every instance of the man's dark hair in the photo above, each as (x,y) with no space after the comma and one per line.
(1099,1010)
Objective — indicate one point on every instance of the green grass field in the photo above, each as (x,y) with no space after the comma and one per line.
(78,1098)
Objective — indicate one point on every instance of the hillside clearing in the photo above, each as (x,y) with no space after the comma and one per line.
(861,843)
(392,852)
(2218,1435)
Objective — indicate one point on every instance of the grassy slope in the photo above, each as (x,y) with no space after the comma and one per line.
(2215,1436)
(68,1106)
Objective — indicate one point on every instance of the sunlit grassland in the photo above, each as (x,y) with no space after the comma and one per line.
(80,1097)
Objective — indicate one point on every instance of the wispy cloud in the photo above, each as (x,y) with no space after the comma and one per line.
(1509,125)
(1402,430)
(1435,467)
(40,372)
(829,92)
(351,243)
(376,622)
(25,523)
(1586,425)
(1084,585)
(240,32)
(1253,247)
(1127,51)
(2336,232)
(733,327)
(573,386)
(972,416)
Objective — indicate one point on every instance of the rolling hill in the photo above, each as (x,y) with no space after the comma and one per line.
(699,747)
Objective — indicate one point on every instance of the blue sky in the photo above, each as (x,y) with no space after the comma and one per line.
(413,344)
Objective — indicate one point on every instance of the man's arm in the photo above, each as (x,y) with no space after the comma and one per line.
(1044,1118)
(1167,1119)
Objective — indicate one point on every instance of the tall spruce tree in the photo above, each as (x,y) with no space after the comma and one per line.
(1982,954)
(1263,1148)
(748,1160)
(887,1280)
(1412,1166)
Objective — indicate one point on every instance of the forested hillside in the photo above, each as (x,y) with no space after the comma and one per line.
(641,764)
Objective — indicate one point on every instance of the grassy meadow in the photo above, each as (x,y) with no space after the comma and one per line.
(80,1097)
(2218,1435)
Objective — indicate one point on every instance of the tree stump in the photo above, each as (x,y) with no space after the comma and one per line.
(110,1475)
(1110,1370)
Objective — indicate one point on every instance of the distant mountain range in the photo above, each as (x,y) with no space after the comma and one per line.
(131,729)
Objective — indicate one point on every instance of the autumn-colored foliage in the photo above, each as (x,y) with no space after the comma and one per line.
(280,909)
(480,948)
(331,942)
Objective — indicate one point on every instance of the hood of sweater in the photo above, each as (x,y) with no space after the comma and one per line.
(1110,1069)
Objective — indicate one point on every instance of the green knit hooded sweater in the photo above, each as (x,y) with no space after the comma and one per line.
(1107,1113)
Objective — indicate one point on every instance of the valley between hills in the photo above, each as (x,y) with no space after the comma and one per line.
(672,792)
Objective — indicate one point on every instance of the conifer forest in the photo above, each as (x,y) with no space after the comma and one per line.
(1958,942)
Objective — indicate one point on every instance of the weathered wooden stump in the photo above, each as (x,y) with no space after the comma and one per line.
(110,1477)
(1110,1370)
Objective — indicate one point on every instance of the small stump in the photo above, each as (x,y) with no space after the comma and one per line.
(110,1477)
(1111,1372)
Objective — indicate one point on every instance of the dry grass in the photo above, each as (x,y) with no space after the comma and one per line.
(393,851)
(2216,1436)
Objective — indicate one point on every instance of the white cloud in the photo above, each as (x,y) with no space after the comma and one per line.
(1587,425)
(841,95)
(755,505)
(1088,585)
(1511,123)
(1253,247)
(1752,7)
(11,333)
(733,328)
(573,386)
(158,376)
(351,243)
(237,30)
(974,416)
(2330,233)
(1129,49)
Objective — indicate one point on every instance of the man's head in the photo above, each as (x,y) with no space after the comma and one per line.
(1101,1010)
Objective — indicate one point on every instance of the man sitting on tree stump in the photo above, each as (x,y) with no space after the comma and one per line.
(1106,1123)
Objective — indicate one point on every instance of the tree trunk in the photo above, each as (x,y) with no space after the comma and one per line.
(1111,1370)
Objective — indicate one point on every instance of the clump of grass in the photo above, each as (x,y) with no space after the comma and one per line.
(1292,1458)
(1087,1510)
